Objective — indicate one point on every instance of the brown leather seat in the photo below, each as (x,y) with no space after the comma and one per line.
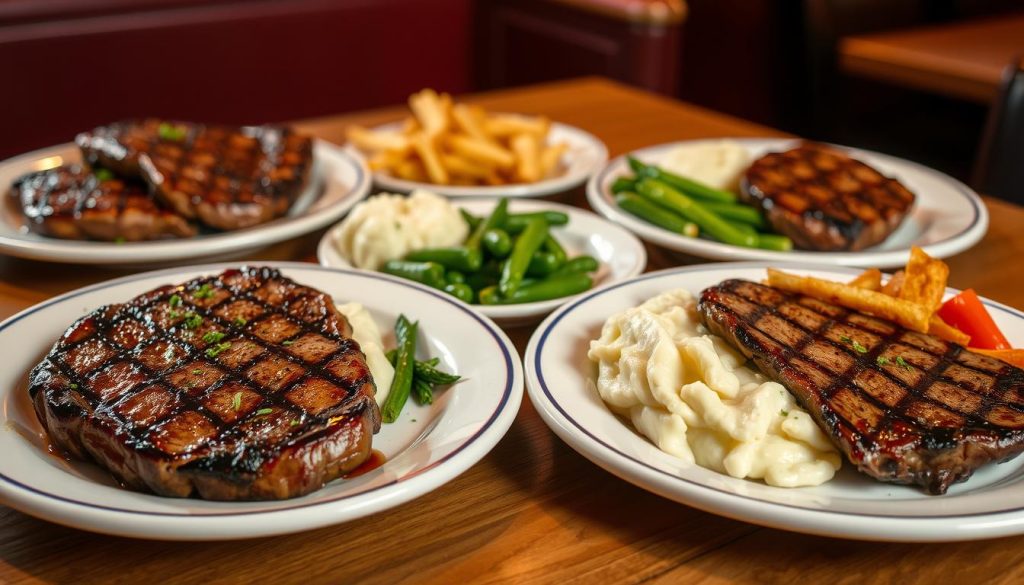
(999,169)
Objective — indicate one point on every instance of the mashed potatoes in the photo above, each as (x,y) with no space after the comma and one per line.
(717,164)
(388,226)
(690,393)
(367,335)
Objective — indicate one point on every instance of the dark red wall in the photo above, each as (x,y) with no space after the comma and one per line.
(233,62)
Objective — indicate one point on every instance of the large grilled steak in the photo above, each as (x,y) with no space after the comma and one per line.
(903,406)
(239,386)
(71,202)
(825,200)
(226,177)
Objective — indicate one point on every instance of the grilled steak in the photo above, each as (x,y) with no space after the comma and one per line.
(903,406)
(226,177)
(239,386)
(825,200)
(73,203)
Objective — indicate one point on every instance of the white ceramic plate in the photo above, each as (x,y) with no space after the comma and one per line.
(620,253)
(947,218)
(340,180)
(426,447)
(560,377)
(583,158)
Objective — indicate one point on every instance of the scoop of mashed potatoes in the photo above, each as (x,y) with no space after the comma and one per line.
(388,226)
(367,335)
(691,395)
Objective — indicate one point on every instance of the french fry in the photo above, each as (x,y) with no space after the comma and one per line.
(942,330)
(527,152)
(386,160)
(1011,356)
(894,285)
(910,315)
(428,108)
(372,141)
(925,280)
(870,279)
(467,121)
(480,151)
(507,125)
(424,146)
(410,125)
(550,158)
(410,170)
(465,167)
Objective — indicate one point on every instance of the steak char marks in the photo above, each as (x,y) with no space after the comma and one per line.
(226,177)
(240,386)
(903,406)
(71,202)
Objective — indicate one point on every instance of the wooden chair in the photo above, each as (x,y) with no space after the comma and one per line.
(999,169)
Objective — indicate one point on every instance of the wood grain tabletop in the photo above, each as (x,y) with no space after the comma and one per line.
(961,59)
(533,510)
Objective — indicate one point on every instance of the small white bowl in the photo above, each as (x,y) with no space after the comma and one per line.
(620,253)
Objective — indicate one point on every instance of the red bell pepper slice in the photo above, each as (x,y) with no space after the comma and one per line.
(966,312)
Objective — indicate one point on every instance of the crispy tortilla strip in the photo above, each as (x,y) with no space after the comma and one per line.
(910,315)
(870,279)
(925,280)
(894,285)
(942,330)
(1013,357)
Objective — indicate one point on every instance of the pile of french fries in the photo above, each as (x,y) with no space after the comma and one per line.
(460,144)
(910,297)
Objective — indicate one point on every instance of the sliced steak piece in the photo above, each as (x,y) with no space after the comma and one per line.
(72,202)
(903,406)
(240,386)
(824,200)
(227,177)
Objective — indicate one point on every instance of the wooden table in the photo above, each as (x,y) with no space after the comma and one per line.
(963,59)
(533,510)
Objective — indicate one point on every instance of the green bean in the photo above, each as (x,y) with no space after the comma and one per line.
(401,384)
(622,184)
(681,184)
(434,376)
(525,247)
(542,264)
(481,280)
(659,216)
(547,289)
(457,258)
(424,392)
(743,227)
(516,222)
(391,354)
(669,198)
(459,290)
(454,277)
(489,295)
(495,220)
(471,220)
(737,213)
(556,249)
(497,242)
(578,265)
(428,273)
(774,242)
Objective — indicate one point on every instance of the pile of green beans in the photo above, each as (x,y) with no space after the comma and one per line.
(689,208)
(411,375)
(506,259)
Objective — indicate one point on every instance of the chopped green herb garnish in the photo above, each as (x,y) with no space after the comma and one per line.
(74,386)
(213,336)
(171,132)
(845,339)
(881,360)
(264,411)
(858,347)
(197,372)
(173,314)
(203,292)
(241,321)
(236,401)
(287,343)
(784,413)
(192,320)
(103,174)
(215,350)
(120,240)
(903,363)
(294,422)
(174,301)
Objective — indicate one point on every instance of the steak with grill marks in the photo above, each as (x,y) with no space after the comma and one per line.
(824,200)
(72,202)
(240,386)
(226,177)
(903,406)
